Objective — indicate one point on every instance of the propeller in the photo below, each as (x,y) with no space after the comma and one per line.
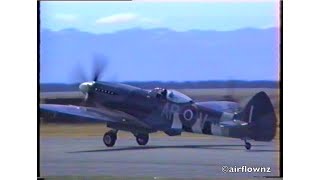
(87,78)
(99,65)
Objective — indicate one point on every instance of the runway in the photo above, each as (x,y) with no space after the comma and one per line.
(163,157)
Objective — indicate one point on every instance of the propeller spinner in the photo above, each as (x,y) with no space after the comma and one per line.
(100,63)
(85,87)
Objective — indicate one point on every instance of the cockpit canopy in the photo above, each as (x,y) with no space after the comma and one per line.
(178,97)
(171,95)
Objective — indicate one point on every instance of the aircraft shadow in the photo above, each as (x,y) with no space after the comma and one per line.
(217,147)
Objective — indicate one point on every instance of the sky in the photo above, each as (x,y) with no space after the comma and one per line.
(108,17)
(102,17)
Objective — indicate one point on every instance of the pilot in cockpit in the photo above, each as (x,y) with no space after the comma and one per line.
(160,93)
(170,95)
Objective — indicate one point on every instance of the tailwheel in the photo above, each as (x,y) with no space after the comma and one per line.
(142,139)
(247,144)
(110,138)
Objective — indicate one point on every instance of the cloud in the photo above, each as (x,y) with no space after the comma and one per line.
(118,18)
(126,18)
(66,17)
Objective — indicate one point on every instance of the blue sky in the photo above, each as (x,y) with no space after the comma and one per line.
(101,17)
(108,17)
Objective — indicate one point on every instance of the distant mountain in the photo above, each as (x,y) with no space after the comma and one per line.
(162,54)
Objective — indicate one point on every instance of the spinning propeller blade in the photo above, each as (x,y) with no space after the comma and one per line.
(100,63)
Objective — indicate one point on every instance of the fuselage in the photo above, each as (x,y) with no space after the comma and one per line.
(167,110)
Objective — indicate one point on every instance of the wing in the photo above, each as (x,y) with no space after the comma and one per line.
(94,114)
(222,106)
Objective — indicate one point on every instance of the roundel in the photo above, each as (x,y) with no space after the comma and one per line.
(188,115)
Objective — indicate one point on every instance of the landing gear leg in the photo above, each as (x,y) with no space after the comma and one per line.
(247,144)
(110,138)
(142,139)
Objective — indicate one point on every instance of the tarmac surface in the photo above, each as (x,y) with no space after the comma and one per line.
(163,157)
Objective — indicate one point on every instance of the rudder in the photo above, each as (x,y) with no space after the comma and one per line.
(261,118)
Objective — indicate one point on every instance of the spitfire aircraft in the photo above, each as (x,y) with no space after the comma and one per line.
(141,112)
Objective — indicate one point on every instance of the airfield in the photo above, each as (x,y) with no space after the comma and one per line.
(189,156)
(68,149)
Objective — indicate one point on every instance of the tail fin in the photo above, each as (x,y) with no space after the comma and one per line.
(260,115)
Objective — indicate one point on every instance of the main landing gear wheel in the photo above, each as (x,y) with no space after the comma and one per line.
(142,139)
(110,138)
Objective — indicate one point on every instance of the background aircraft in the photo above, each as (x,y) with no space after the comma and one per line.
(140,111)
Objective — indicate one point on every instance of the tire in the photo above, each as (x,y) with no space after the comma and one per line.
(142,139)
(109,138)
(248,146)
